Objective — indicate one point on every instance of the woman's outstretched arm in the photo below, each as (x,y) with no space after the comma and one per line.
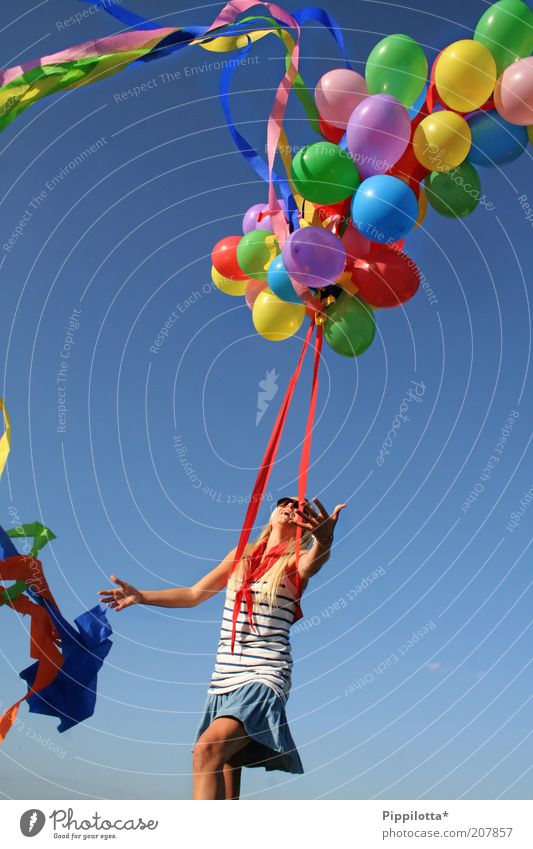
(126,594)
(322,525)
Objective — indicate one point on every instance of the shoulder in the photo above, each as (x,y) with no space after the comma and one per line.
(297,583)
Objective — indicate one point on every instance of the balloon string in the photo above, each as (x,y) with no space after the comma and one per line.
(269,457)
(303,472)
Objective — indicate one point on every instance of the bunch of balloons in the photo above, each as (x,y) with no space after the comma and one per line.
(393,142)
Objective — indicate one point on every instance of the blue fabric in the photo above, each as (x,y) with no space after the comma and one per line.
(72,695)
(7,549)
(262,713)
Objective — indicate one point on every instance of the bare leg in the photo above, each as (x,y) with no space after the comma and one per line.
(223,739)
(232,775)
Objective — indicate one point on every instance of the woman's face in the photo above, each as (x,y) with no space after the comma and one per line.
(284,515)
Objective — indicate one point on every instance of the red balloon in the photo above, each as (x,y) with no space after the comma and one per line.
(396,246)
(386,278)
(409,169)
(224,258)
(335,214)
(332,134)
(356,245)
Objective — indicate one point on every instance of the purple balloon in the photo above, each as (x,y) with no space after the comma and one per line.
(250,221)
(377,134)
(314,256)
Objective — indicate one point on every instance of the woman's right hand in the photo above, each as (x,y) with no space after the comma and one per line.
(122,596)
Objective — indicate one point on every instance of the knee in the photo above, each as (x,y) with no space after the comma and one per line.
(207,757)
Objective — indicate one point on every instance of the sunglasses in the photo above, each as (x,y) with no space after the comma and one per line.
(292,501)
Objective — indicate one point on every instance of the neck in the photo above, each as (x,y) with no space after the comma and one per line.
(279,534)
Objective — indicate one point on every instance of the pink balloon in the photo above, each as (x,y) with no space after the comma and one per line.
(378,133)
(252,291)
(337,94)
(513,95)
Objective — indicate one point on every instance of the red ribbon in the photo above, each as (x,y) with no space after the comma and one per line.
(306,452)
(264,474)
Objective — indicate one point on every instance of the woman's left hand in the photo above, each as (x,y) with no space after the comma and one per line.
(321,524)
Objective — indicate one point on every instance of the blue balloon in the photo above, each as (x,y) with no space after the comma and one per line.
(343,143)
(419,102)
(384,208)
(494,140)
(280,282)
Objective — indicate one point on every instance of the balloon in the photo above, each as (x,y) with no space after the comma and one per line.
(314,256)
(356,245)
(350,326)
(494,140)
(378,132)
(331,134)
(224,258)
(324,173)
(330,216)
(252,290)
(465,75)
(275,319)
(397,65)
(386,278)
(442,141)
(280,282)
(418,104)
(422,208)
(530,134)
(513,95)
(506,28)
(455,193)
(394,246)
(251,217)
(255,252)
(337,94)
(228,286)
(384,208)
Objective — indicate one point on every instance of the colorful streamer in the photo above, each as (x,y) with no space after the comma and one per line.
(71,696)
(5,439)
(62,682)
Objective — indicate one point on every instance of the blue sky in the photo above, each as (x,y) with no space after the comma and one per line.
(125,239)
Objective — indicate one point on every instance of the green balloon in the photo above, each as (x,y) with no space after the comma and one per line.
(398,66)
(323,172)
(350,325)
(454,193)
(255,252)
(506,29)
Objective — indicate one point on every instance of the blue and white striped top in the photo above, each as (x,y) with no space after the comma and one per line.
(262,656)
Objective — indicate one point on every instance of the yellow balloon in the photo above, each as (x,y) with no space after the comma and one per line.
(530,134)
(422,208)
(275,319)
(442,141)
(465,75)
(229,287)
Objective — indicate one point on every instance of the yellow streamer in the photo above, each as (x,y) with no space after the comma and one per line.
(5,439)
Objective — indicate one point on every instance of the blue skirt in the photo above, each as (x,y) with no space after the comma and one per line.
(262,713)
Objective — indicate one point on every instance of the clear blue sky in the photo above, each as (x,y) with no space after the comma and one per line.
(124,238)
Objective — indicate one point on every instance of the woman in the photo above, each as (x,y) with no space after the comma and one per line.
(243,721)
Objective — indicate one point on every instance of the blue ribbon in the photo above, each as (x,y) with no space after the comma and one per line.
(314,13)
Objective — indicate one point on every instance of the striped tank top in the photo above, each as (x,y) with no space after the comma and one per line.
(261,656)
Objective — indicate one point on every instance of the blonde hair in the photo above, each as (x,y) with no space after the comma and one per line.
(274,576)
